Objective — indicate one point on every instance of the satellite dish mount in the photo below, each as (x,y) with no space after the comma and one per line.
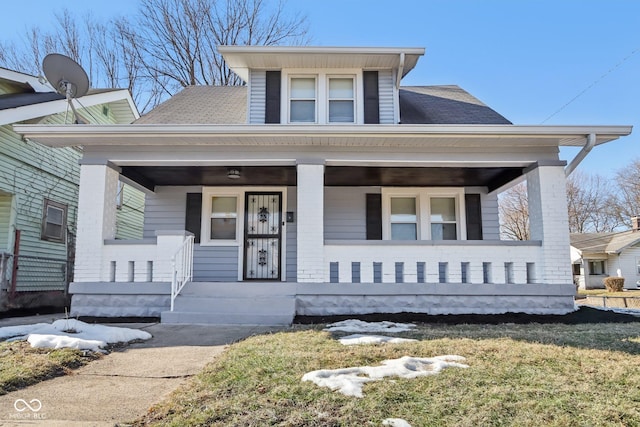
(68,78)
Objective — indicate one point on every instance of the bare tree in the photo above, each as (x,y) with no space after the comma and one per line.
(513,208)
(627,184)
(170,44)
(590,202)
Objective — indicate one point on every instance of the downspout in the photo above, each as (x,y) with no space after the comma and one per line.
(400,71)
(591,142)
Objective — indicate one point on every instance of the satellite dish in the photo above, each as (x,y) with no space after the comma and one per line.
(67,77)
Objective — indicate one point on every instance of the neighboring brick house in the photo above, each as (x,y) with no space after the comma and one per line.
(39,189)
(322,187)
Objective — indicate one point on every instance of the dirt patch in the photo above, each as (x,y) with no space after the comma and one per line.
(581,316)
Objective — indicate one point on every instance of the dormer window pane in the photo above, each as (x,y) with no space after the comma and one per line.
(303,100)
(341,100)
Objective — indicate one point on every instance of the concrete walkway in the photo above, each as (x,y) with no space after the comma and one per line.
(121,386)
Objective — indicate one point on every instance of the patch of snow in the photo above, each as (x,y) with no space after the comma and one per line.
(349,381)
(395,422)
(630,311)
(356,339)
(72,333)
(353,325)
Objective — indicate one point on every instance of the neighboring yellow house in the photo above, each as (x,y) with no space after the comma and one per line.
(39,189)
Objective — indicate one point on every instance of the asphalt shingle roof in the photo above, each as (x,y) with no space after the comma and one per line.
(201,105)
(445,105)
(228,105)
(604,242)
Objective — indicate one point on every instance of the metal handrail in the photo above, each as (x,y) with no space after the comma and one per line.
(183,272)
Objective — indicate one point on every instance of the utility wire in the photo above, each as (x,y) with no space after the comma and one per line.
(592,85)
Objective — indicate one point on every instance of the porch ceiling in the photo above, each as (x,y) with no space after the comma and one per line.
(491,177)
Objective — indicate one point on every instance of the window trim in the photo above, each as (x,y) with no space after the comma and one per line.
(290,99)
(45,210)
(423,206)
(322,92)
(205,227)
(353,99)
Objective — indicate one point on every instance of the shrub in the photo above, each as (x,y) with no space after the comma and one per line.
(614,284)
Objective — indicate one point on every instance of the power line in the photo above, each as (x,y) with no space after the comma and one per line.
(592,85)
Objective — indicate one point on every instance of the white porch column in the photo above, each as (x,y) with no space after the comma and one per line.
(549,220)
(310,230)
(96,220)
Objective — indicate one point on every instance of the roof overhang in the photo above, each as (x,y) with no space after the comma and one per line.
(458,136)
(242,58)
(123,107)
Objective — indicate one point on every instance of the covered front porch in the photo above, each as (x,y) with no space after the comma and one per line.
(331,255)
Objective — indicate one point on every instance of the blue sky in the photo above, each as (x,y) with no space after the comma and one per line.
(525,58)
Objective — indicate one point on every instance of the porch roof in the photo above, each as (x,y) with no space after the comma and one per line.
(285,175)
(448,136)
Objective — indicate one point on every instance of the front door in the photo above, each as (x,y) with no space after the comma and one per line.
(262,235)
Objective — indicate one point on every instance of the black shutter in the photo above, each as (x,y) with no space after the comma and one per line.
(374,216)
(474,216)
(272,98)
(193,214)
(371,98)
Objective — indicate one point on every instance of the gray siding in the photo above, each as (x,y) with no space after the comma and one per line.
(215,263)
(385,87)
(164,210)
(291,231)
(490,221)
(345,212)
(257,85)
(130,216)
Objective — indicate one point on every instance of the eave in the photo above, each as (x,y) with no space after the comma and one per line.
(123,106)
(242,58)
(460,136)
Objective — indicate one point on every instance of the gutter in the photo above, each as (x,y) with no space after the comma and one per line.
(591,142)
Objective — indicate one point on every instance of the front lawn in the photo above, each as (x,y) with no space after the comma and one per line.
(526,375)
(21,365)
(603,292)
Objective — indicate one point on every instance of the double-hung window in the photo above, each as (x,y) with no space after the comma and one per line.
(403,218)
(341,100)
(423,214)
(220,218)
(302,100)
(54,221)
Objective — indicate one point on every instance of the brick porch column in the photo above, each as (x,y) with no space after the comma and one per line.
(310,217)
(96,219)
(549,220)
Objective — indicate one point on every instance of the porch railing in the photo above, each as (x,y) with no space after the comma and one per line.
(432,262)
(182,265)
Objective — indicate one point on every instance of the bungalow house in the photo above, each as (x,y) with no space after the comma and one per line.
(321,187)
(39,189)
(595,256)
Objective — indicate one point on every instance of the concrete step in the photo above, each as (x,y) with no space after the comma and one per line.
(228,305)
(239,289)
(181,317)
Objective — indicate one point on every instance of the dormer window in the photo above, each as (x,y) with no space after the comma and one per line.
(302,107)
(322,97)
(341,100)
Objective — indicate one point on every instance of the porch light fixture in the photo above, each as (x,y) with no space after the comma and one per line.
(233,174)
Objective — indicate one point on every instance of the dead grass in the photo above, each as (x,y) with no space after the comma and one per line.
(526,375)
(594,292)
(21,365)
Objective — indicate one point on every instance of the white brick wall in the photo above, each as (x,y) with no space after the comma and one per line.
(310,215)
(96,219)
(548,221)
